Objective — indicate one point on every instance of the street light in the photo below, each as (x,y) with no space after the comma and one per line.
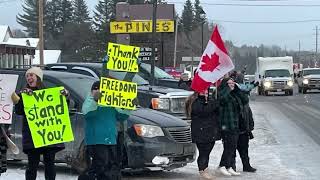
(202,16)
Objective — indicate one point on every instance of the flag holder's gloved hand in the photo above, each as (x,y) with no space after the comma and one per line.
(256,84)
(97,95)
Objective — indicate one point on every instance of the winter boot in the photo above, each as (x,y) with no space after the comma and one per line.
(249,169)
(205,174)
(233,173)
(224,171)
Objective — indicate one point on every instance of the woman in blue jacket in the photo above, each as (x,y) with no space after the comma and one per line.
(101,136)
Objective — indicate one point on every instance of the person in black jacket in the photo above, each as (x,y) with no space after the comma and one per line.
(246,126)
(34,77)
(3,150)
(204,127)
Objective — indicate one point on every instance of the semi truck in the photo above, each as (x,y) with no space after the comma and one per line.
(275,74)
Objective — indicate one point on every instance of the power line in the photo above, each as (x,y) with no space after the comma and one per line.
(266,22)
(254,5)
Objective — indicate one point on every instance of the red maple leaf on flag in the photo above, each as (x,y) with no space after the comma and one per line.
(210,64)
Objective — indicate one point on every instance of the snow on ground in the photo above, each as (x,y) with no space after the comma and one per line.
(280,151)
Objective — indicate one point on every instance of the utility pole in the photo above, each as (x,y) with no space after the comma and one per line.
(154,26)
(316,54)
(299,52)
(175,43)
(41,45)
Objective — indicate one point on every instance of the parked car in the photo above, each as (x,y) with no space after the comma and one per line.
(174,72)
(171,142)
(169,100)
(161,78)
(308,79)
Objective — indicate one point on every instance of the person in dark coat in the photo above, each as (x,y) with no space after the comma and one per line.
(231,106)
(185,82)
(204,127)
(3,150)
(246,126)
(34,77)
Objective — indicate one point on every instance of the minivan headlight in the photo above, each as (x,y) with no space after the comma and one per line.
(160,103)
(290,83)
(149,131)
(305,81)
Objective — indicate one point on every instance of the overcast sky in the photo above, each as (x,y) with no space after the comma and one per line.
(301,17)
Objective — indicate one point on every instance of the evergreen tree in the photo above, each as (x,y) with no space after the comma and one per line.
(66,13)
(187,17)
(29,20)
(105,11)
(199,15)
(81,13)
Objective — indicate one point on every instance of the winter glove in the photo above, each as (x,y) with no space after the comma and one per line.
(97,95)
(27,91)
(15,98)
(256,84)
(135,101)
(250,135)
(64,92)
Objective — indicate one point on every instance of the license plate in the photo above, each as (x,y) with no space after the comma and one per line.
(279,90)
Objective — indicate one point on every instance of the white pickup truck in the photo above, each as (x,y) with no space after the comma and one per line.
(309,79)
(275,75)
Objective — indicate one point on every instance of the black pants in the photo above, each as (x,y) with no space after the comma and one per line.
(104,165)
(242,147)
(230,141)
(204,153)
(33,164)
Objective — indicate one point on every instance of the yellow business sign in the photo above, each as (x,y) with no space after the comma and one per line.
(123,57)
(117,93)
(162,26)
(48,117)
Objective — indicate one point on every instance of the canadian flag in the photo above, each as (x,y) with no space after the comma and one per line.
(215,63)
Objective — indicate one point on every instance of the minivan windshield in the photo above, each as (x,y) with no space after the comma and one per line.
(277,73)
(158,73)
(311,71)
(82,85)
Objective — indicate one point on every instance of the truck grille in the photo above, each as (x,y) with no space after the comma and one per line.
(181,135)
(279,84)
(314,81)
(178,105)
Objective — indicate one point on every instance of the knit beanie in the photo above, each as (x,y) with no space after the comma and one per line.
(37,71)
(95,85)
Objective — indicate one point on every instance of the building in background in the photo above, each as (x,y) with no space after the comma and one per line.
(21,52)
(15,52)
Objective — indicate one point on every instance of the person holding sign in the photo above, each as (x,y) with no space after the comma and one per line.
(101,136)
(3,149)
(34,78)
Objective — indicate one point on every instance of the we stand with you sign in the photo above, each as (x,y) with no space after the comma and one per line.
(48,117)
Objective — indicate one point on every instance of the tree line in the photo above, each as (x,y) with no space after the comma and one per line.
(69,27)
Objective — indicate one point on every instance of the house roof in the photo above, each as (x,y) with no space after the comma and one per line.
(3,32)
(23,41)
(49,56)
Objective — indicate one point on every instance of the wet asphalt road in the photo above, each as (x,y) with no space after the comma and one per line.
(302,109)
